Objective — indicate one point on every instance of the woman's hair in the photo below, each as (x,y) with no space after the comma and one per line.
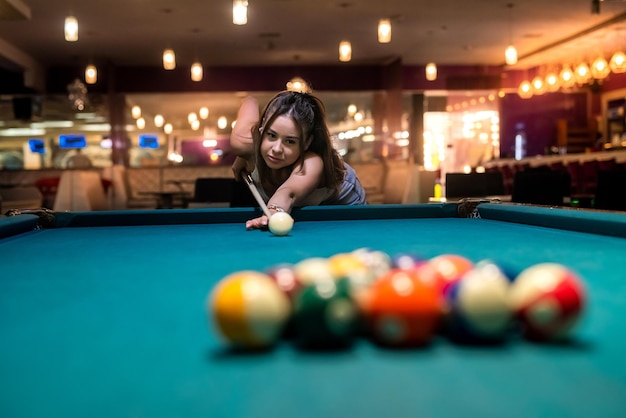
(309,115)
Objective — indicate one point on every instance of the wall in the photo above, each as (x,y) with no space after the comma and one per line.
(536,117)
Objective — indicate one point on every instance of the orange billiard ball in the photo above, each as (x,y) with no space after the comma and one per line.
(404,308)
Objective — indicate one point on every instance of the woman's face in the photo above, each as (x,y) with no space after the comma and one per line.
(280,143)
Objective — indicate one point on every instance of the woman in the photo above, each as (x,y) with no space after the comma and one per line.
(290,154)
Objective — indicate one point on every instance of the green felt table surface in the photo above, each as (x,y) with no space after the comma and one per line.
(104,316)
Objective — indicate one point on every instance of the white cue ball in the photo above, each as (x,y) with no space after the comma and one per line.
(280,223)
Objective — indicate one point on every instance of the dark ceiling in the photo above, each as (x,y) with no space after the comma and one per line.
(303,32)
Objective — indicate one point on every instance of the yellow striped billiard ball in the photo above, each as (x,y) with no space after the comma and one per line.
(249,309)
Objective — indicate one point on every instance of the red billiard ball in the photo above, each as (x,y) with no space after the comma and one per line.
(450,268)
(549,300)
(404,308)
(285,277)
(248,310)
(478,305)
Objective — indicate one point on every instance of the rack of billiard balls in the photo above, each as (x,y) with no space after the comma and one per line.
(399,301)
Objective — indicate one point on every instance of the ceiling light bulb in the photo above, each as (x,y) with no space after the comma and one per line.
(582,74)
(552,82)
(240,12)
(345,51)
(600,68)
(135,111)
(196,71)
(618,63)
(203,112)
(538,86)
(169,59)
(191,117)
(91,74)
(431,71)
(158,121)
(567,77)
(525,90)
(71,29)
(222,122)
(141,123)
(168,128)
(384,31)
(510,55)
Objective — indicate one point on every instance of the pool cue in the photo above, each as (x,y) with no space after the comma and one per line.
(248,179)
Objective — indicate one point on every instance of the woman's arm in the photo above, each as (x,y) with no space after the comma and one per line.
(301,183)
(241,137)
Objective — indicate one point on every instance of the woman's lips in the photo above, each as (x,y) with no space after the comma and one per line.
(274,160)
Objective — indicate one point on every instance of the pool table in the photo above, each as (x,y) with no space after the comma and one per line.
(102,314)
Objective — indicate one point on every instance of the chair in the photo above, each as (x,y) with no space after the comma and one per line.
(611,191)
(212,192)
(48,188)
(541,187)
(462,185)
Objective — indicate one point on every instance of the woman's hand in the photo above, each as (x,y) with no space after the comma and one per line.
(257,223)
(241,166)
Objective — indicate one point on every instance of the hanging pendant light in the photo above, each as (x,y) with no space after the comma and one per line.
(539,86)
(384,31)
(431,71)
(582,73)
(618,63)
(91,74)
(525,90)
(196,71)
(552,82)
(158,120)
(510,55)
(600,68)
(240,12)
(135,112)
(567,77)
(345,51)
(71,29)
(169,59)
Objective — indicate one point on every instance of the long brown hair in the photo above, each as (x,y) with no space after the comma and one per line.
(309,114)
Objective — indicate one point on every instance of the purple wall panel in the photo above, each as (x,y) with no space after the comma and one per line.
(536,117)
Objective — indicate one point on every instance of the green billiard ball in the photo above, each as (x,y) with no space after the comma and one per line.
(325,315)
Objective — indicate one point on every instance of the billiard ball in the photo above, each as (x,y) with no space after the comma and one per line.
(350,266)
(248,309)
(285,277)
(325,316)
(406,261)
(280,223)
(312,269)
(404,309)
(450,268)
(478,305)
(548,299)
(377,262)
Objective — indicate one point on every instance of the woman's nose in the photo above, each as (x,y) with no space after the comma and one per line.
(277,147)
